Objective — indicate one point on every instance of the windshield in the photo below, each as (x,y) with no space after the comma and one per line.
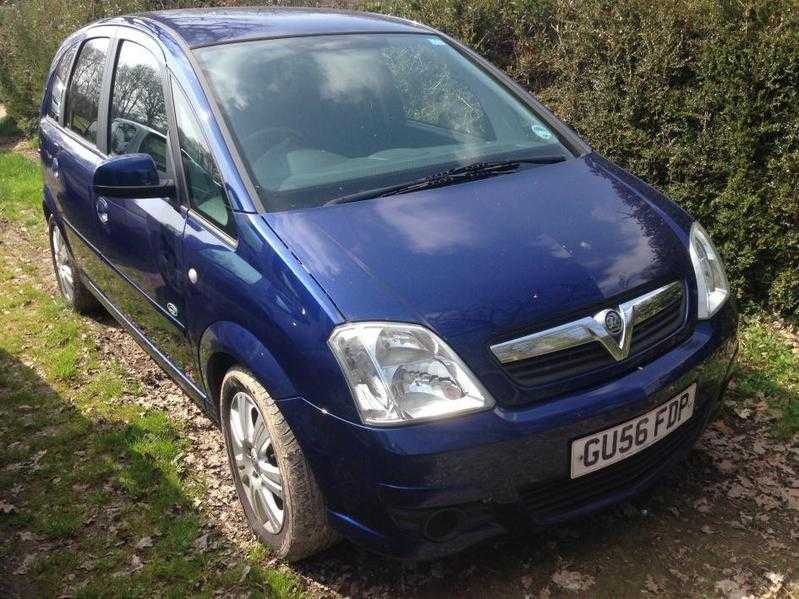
(318,118)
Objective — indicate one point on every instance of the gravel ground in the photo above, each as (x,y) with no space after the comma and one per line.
(724,523)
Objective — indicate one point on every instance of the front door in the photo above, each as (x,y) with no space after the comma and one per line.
(142,238)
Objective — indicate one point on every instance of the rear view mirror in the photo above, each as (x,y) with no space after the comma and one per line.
(131,176)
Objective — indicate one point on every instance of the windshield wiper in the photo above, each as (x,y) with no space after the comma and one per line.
(476,170)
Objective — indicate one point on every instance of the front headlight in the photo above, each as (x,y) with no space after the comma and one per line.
(403,373)
(711,281)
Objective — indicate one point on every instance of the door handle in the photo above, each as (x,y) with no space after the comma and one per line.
(102,210)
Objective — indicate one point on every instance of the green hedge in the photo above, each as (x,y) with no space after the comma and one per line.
(697,97)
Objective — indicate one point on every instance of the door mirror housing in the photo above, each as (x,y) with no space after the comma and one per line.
(131,176)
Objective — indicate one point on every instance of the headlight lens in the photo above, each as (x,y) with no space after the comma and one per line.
(711,281)
(402,373)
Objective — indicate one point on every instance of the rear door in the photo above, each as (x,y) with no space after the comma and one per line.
(142,238)
(74,149)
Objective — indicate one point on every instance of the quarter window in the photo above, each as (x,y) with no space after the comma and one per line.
(203,181)
(138,113)
(59,84)
(83,97)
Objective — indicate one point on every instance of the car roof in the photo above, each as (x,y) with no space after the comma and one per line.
(210,26)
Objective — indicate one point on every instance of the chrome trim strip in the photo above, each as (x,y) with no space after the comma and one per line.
(591,328)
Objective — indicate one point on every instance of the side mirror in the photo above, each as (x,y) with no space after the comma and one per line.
(131,176)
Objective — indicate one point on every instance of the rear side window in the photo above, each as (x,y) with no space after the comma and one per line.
(83,97)
(203,181)
(138,113)
(59,84)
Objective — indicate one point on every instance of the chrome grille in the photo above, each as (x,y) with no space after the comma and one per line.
(560,355)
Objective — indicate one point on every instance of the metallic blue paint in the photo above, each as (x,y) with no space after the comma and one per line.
(231,339)
(128,170)
(477,262)
(203,27)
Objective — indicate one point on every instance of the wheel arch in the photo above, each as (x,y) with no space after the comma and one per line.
(225,344)
(48,204)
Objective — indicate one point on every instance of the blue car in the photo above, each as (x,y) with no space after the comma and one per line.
(422,310)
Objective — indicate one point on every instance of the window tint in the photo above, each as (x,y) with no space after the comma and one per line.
(83,97)
(203,181)
(138,113)
(59,83)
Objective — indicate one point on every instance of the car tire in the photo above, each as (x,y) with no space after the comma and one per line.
(67,273)
(267,462)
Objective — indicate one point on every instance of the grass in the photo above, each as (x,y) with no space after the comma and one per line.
(769,372)
(20,190)
(88,475)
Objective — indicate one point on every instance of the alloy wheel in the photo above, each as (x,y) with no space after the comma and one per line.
(256,461)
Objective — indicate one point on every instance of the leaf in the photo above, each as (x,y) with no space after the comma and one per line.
(144,542)
(244,573)
(722,427)
(201,543)
(766,502)
(544,593)
(572,581)
(737,490)
(792,496)
(136,563)
(702,505)
(25,565)
(527,582)
(651,586)
(7,508)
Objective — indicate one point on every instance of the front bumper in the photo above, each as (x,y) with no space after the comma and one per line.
(427,490)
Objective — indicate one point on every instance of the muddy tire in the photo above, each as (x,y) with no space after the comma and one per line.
(281,500)
(67,273)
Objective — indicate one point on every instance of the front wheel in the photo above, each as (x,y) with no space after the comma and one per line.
(280,497)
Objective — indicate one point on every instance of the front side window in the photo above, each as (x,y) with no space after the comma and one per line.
(59,84)
(203,181)
(83,97)
(316,118)
(138,121)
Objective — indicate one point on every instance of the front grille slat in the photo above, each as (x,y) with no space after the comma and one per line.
(558,370)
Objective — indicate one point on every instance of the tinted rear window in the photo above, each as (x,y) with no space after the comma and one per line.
(83,97)
(59,83)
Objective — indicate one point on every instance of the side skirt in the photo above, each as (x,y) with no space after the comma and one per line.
(195,393)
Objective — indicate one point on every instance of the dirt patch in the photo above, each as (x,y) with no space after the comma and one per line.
(723,523)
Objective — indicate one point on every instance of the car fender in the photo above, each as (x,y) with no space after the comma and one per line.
(247,351)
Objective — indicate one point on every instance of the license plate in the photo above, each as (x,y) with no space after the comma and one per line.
(596,451)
